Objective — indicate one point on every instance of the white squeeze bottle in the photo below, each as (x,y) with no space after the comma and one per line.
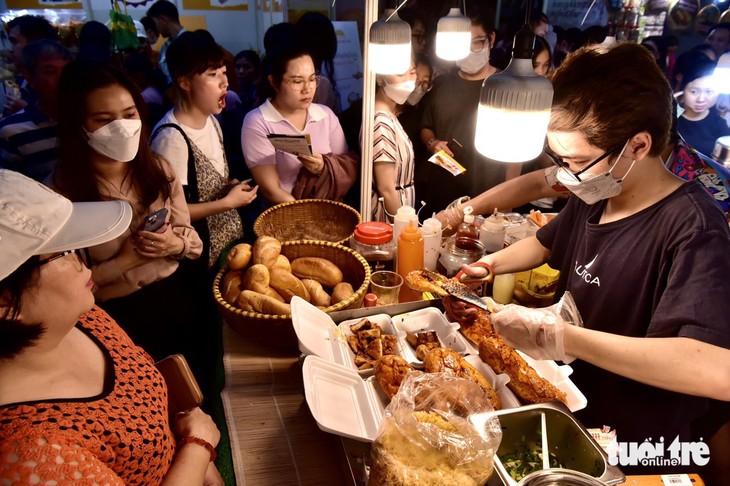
(491,233)
(431,231)
(403,216)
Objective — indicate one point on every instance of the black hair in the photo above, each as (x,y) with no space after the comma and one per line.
(95,42)
(250,56)
(33,27)
(193,53)
(164,8)
(140,64)
(721,26)
(149,24)
(484,18)
(661,49)
(275,64)
(16,336)
(698,67)
(279,34)
(316,31)
(538,17)
(594,34)
(43,49)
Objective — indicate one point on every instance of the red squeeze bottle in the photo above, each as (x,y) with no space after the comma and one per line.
(410,257)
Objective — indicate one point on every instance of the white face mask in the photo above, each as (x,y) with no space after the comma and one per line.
(475,61)
(594,187)
(417,94)
(118,140)
(399,92)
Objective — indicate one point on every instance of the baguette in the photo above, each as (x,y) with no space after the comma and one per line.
(231,287)
(283,263)
(265,251)
(342,291)
(263,304)
(239,256)
(319,269)
(256,278)
(317,294)
(287,285)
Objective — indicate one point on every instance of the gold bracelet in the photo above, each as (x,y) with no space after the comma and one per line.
(197,440)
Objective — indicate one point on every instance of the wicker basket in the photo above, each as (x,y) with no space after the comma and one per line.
(308,219)
(277,330)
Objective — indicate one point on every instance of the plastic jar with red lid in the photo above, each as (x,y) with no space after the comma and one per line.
(374,241)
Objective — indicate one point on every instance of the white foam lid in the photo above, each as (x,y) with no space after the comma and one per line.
(341,402)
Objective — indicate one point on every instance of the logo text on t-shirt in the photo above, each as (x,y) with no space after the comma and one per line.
(583,271)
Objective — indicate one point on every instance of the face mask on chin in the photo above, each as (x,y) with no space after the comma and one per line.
(595,187)
(399,92)
(118,140)
(415,97)
(475,61)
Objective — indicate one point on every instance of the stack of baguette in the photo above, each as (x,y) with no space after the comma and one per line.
(261,279)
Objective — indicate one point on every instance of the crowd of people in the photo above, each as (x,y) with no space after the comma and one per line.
(125,175)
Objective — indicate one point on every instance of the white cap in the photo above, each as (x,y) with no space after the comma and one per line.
(35,220)
(141,33)
(468,216)
(405,213)
(431,226)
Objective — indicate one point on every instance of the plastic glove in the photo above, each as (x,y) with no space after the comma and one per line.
(538,332)
(452,216)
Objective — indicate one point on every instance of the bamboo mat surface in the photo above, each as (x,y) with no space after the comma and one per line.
(274,439)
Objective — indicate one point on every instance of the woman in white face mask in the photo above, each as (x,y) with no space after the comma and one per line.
(104,154)
(393,160)
(641,251)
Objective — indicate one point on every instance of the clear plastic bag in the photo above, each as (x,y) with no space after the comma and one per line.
(438,429)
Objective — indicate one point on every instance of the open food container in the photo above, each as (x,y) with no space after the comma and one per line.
(429,319)
(318,334)
(570,446)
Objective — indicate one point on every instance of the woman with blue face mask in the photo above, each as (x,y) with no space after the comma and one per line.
(393,160)
(643,253)
(104,155)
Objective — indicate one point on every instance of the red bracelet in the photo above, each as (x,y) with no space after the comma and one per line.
(197,440)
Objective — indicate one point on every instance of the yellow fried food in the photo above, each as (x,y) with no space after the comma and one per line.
(389,373)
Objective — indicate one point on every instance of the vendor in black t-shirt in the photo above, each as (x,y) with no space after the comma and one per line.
(643,253)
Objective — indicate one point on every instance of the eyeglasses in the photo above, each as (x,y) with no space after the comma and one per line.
(82,256)
(478,44)
(558,160)
(298,83)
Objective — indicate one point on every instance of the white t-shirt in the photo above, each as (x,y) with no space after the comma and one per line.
(171,145)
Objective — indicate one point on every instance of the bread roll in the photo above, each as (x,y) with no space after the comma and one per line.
(256,278)
(231,287)
(254,302)
(239,256)
(283,263)
(342,291)
(287,285)
(317,295)
(265,251)
(319,269)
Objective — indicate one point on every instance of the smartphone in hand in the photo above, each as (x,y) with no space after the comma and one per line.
(183,392)
(155,220)
(456,148)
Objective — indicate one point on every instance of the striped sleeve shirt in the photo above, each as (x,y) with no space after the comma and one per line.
(28,143)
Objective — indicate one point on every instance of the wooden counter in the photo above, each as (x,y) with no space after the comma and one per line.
(274,439)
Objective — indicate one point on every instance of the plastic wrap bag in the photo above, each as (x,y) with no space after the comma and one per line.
(438,430)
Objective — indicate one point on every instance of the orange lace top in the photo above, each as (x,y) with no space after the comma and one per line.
(120,437)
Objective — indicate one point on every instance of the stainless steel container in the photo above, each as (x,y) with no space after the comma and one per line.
(721,152)
(567,440)
(560,477)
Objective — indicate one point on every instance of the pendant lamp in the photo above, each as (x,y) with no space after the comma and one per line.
(610,39)
(514,107)
(453,36)
(390,44)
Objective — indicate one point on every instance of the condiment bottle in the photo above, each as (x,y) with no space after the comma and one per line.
(431,231)
(403,216)
(503,288)
(491,233)
(371,300)
(410,257)
(467,230)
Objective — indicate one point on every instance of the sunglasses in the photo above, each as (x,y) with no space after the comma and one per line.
(558,160)
(82,255)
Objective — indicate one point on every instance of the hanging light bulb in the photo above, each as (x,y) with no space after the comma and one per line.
(453,37)
(514,108)
(390,44)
